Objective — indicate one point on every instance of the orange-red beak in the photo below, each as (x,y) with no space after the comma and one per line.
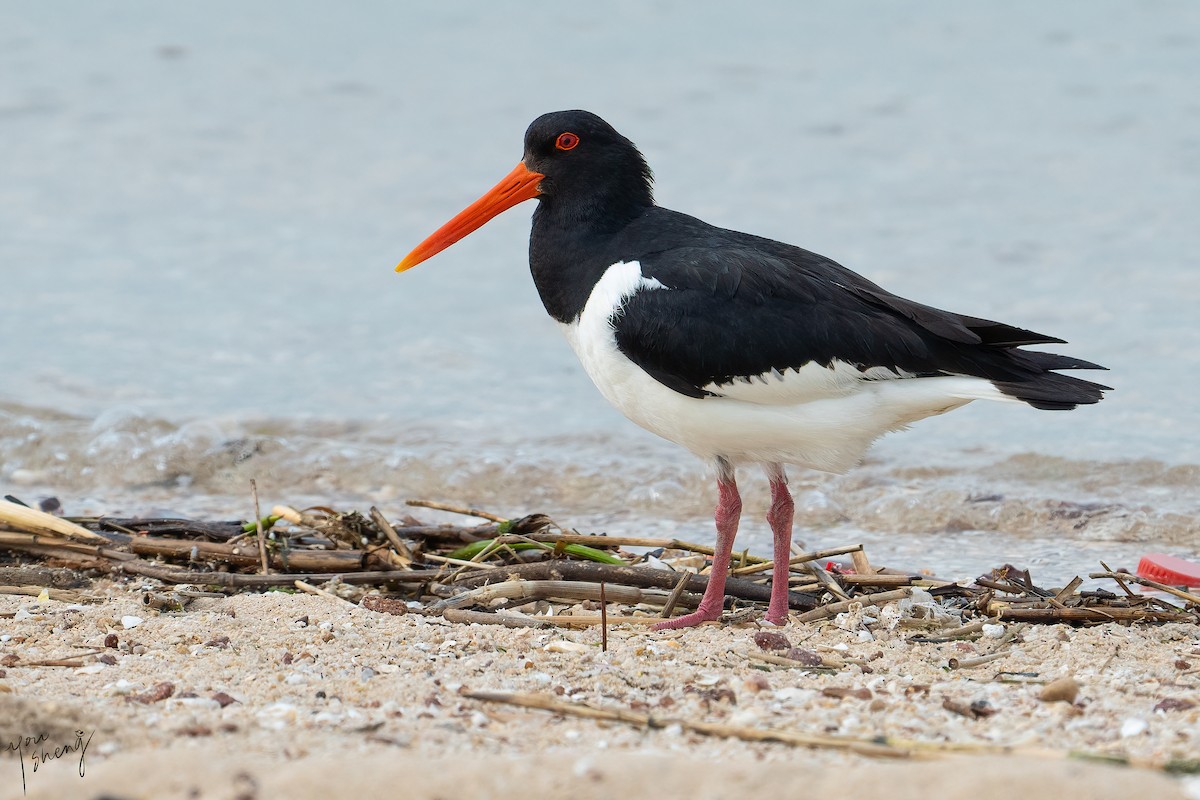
(518,186)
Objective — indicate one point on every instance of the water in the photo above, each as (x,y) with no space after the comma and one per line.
(200,209)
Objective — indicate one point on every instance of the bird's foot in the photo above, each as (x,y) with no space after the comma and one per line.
(775,619)
(688,620)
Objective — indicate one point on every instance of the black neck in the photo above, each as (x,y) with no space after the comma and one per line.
(572,244)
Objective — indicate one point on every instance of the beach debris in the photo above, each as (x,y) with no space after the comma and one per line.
(530,571)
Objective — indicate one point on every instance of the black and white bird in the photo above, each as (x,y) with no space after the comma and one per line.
(742,349)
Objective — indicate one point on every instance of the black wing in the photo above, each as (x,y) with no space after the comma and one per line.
(736,309)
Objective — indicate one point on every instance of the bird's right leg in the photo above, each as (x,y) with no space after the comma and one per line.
(729,511)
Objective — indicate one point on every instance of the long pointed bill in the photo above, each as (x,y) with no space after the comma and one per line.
(518,186)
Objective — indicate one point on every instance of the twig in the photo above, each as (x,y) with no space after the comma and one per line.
(967,663)
(673,597)
(258,529)
(62,595)
(833,609)
(458,562)
(642,576)
(308,587)
(827,581)
(604,620)
(167,574)
(1068,590)
(860,746)
(565,590)
(803,558)
(1120,581)
(467,617)
(389,532)
(34,521)
(1162,587)
(470,512)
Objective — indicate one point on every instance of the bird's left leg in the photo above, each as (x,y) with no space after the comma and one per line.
(780,517)
(729,512)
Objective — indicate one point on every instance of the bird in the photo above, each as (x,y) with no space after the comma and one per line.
(742,349)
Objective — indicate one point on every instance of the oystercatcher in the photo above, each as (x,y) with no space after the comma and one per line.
(742,349)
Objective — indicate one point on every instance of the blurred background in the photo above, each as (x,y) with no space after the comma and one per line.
(201,207)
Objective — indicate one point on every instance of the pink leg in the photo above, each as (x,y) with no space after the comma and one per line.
(780,518)
(729,511)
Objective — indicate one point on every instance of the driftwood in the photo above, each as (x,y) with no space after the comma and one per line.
(640,576)
(421,562)
(247,555)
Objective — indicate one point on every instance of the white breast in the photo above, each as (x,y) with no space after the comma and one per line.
(819,417)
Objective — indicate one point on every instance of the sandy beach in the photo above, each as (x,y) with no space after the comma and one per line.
(279,694)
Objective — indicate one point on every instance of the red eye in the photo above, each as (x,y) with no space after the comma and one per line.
(566,141)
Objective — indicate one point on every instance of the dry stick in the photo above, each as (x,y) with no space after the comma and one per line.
(62,549)
(951,635)
(1120,582)
(297,559)
(1068,590)
(469,512)
(860,746)
(389,532)
(827,581)
(603,620)
(861,565)
(258,528)
(833,609)
(646,577)
(1162,587)
(63,595)
(673,597)
(167,574)
(559,621)
(308,587)
(783,661)
(466,617)
(977,661)
(803,558)
(34,521)
(458,562)
(544,590)
(887,747)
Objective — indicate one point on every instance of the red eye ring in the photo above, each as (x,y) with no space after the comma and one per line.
(566,141)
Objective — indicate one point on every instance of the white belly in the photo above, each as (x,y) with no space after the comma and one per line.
(817,417)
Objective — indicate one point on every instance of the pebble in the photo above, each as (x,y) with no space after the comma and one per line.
(992,631)
(1133,726)
(1062,690)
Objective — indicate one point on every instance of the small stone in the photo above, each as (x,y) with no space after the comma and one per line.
(1174,704)
(1133,727)
(1062,690)
(107,659)
(223,699)
(1181,664)
(806,657)
(130,621)
(770,640)
(993,631)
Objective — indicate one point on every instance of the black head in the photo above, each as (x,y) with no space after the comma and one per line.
(587,165)
(582,171)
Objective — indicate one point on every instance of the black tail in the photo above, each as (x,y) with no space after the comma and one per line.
(1042,387)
